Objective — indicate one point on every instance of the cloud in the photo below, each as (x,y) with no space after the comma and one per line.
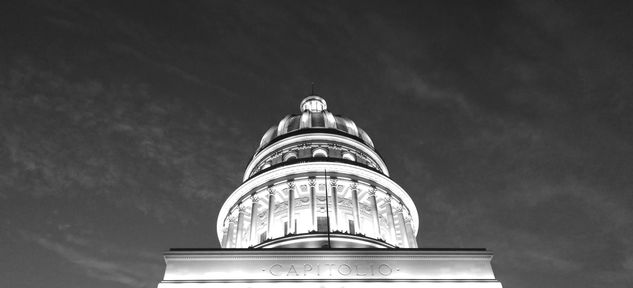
(411,81)
(83,252)
(120,48)
(122,141)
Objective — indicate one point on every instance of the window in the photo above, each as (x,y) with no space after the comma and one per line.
(340,124)
(262,237)
(322,224)
(294,123)
(349,156)
(317,120)
(319,152)
(290,156)
(285,228)
(352,229)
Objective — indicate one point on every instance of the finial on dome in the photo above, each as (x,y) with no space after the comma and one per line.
(313,103)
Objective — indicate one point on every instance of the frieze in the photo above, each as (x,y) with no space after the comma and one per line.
(302,202)
(346,203)
(281,206)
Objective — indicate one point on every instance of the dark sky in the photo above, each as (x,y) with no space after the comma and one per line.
(124,126)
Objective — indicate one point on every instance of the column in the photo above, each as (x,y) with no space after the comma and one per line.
(291,207)
(271,214)
(407,224)
(335,203)
(225,236)
(312,184)
(373,204)
(253,236)
(404,234)
(390,222)
(355,211)
(240,226)
(230,243)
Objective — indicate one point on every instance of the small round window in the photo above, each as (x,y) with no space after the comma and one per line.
(290,156)
(319,152)
(349,156)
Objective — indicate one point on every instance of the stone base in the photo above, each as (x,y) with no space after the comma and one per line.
(363,268)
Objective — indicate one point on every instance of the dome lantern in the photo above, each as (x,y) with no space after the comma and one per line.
(313,103)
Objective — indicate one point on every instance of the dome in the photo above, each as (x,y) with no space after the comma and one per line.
(317,180)
(314,117)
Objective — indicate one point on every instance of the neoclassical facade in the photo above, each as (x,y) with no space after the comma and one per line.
(317,208)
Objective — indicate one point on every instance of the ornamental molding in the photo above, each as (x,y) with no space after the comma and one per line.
(362,148)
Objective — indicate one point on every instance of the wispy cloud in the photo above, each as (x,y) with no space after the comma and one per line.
(89,137)
(96,259)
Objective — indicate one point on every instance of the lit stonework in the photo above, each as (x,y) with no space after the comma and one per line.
(317,208)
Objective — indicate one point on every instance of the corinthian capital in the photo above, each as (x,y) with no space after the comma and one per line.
(254,198)
(372,192)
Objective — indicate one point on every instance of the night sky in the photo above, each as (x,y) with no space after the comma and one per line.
(124,126)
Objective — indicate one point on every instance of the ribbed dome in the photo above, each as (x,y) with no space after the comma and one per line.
(314,116)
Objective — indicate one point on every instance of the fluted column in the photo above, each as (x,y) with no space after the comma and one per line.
(291,207)
(225,236)
(407,224)
(335,203)
(271,214)
(312,184)
(253,235)
(229,242)
(390,222)
(355,211)
(373,205)
(240,226)
(403,231)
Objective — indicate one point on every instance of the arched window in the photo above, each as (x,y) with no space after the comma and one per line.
(349,156)
(290,156)
(319,152)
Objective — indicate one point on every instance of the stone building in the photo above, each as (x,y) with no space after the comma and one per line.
(317,208)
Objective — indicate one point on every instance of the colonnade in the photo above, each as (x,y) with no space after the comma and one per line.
(241,228)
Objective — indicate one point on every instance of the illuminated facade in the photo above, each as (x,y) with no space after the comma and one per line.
(317,208)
